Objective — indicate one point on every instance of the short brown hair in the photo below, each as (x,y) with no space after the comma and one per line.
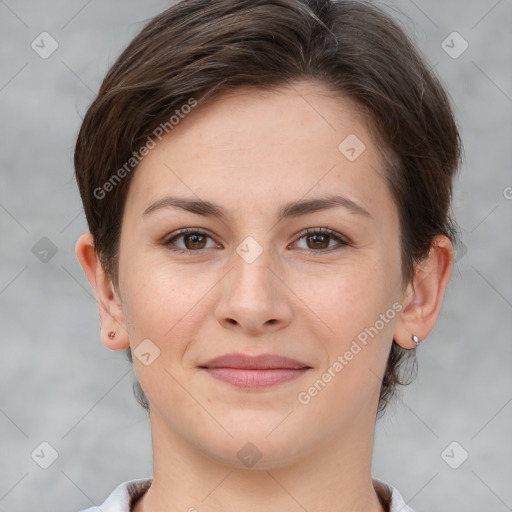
(202,48)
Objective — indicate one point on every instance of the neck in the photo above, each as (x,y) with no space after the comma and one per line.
(333,476)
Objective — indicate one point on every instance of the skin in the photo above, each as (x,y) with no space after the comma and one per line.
(251,152)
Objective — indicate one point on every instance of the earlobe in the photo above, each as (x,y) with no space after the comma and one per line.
(424,295)
(110,307)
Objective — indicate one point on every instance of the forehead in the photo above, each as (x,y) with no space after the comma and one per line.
(263,146)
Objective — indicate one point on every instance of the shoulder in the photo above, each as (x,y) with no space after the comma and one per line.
(122,496)
(392,496)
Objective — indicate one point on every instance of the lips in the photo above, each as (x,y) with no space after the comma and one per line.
(260,371)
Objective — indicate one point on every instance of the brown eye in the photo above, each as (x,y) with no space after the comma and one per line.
(318,241)
(194,241)
(190,241)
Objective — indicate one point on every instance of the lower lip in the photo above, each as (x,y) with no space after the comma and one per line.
(244,378)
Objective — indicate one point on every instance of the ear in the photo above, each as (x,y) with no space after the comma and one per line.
(111,311)
(423,297)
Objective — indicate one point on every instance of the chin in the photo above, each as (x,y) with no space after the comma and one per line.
(258,447)
(257,454)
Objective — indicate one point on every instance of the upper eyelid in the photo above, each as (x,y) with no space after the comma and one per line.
(185,231)
(323,230)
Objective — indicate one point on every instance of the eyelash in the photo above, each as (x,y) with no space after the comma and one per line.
(342,241)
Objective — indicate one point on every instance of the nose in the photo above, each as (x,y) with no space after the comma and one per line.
(253,299)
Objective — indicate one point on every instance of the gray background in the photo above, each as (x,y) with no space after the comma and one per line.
(60,385)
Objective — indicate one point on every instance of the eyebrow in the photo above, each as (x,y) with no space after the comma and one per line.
(289,210)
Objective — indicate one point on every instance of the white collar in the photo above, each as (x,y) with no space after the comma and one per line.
(124,494)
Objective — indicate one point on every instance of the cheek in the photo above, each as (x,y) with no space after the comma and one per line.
(355,304)
(147,293)
(157,300)
(348,297)
(168,305)
(159,306)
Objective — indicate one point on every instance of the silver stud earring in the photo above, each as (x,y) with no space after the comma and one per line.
(415,339)
(111,335)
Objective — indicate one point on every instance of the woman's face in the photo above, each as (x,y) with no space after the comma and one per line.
(269,267)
